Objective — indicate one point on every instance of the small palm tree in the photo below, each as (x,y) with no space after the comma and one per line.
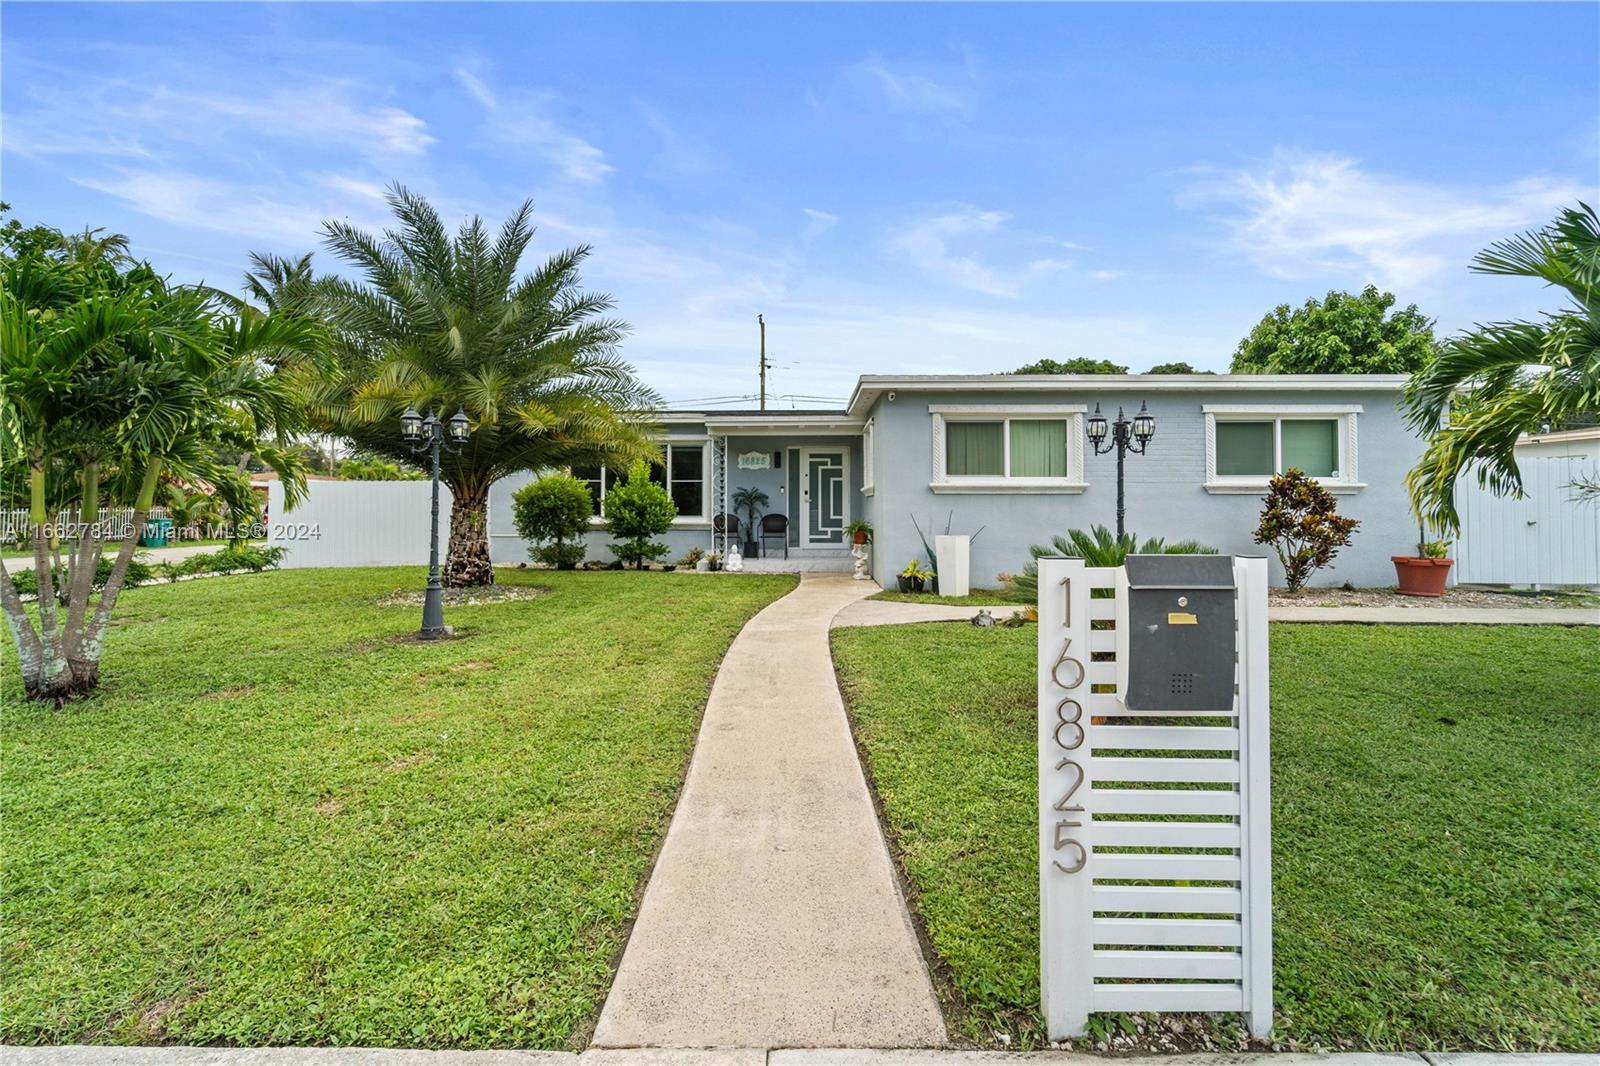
(127,379)
(1098,547)
(190,509)
(750,502)
(441,322)
(1497,382)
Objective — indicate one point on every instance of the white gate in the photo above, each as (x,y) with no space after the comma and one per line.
(1142,913)
(1547,538)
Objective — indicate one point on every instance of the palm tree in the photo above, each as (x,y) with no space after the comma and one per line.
(128,378)
(1097,547)
(749,501)
(1493,384)
(190,509)
(441,322)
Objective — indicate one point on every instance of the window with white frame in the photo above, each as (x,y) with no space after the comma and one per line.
(599,479)
(683,475)
(1003,448)
(866,457)
(1246,444)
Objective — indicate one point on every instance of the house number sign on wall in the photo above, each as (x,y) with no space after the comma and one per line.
(755,460)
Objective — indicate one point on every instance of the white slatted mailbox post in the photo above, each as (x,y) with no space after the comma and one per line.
(1155,837)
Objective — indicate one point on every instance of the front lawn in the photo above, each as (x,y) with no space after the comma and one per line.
(277,824)
(1436,831)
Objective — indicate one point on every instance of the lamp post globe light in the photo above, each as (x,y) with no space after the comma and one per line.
(1127,435)
(430,435)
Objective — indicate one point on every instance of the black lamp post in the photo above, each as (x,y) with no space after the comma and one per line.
(429,435)
(1127,435)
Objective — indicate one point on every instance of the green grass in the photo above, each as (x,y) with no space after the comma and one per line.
(1436,825)
(276,824)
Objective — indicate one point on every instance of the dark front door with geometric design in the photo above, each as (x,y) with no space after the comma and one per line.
(826,500)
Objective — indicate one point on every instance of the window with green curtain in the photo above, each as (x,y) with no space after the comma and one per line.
(974,449)
(1038,448)
(1244,449)
(1312,445)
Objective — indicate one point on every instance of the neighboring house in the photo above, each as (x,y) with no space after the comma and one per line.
(1008,453)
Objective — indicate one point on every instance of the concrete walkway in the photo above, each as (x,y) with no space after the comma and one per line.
(1439,615)
(149,555)
(893,612)
(289,1056)
(898,612)
(773,917)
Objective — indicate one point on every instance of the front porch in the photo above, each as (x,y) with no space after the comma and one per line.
(804,470)
(805,561)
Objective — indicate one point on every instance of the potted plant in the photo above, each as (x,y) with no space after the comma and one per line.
(860,531)
(751,503)
(713,561)
(914,577)
(1425,573)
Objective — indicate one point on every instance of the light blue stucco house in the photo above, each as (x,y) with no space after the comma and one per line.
(1009,454)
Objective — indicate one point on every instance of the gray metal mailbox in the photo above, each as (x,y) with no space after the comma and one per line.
(1176,633)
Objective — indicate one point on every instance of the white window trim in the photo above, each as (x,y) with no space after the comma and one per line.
(699,521)
(1072,414)
(867,487)
(1345,415)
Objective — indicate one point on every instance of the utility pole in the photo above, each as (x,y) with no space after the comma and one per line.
(763,324)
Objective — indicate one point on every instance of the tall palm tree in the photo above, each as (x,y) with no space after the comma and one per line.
(1493,384)
(441,322)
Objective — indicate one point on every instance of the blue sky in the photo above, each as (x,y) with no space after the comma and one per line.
(898,188)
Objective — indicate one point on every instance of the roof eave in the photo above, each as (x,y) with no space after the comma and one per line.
(869,386)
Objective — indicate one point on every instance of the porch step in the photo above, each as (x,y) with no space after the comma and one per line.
(803,561)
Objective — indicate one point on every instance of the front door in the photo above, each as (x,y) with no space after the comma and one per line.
(826,496)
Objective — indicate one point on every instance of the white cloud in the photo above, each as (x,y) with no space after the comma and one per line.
(908,90)
(477,88)
(1316,215)
(89,116)
(283,214)
(927,243)
(1105,275)
(819,222)
(521,120)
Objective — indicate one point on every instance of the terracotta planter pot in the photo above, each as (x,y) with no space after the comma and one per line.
(1419,576)
(860,537)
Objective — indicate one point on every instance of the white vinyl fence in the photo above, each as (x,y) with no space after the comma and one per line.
(15,524)
(1547,538)
(357,523)
(1123,927)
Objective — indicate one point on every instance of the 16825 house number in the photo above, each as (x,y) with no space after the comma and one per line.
(1069,737)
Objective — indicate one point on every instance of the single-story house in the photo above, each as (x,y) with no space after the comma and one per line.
(1009,455)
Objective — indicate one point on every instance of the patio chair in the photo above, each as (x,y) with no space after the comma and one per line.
(725,526)
(775,525)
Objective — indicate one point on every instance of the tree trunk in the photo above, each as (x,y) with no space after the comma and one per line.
(467,561)
(86,668)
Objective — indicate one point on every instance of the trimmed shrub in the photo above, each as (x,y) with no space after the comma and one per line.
(1300,523)
(557,509)
(139,573)
(637,510)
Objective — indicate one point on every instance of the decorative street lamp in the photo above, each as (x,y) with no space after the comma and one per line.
(1126,436)
(429,435)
